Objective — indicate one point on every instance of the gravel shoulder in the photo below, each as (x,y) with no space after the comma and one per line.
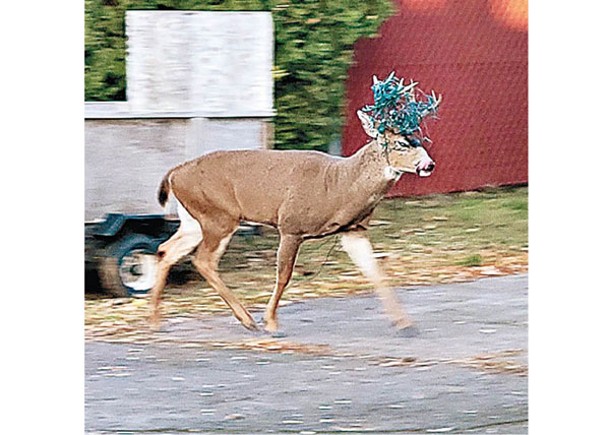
(340,368)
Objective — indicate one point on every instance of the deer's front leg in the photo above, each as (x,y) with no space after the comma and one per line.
(286,258)
(360,251)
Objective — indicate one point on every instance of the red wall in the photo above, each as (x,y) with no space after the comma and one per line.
(475,55)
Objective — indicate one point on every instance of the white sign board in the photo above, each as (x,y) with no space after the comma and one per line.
(208,64)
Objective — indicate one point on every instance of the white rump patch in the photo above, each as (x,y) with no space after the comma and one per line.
(189,233)
(188,236)
(188,224)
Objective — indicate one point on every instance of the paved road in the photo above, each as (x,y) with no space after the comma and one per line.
(340,368)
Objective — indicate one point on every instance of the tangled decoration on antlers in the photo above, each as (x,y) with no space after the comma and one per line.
(396,107)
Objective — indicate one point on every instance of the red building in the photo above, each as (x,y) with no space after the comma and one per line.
(474,53)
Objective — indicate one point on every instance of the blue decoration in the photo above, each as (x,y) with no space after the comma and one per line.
(397,108)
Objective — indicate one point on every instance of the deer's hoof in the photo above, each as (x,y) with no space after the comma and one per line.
(158,327)
(155,322)
(273,330)
(270,325)
(251,325)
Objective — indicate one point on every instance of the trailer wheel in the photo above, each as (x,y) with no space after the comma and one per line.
(130,266)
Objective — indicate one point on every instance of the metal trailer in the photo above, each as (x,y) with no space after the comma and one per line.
(196,82)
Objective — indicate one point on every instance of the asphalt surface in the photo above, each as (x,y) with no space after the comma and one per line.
(340,368)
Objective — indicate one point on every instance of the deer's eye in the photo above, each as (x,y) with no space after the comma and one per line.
(402,143)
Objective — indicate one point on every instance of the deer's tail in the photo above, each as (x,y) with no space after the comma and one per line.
(164,189)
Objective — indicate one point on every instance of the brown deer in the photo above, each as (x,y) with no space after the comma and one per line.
(303,194)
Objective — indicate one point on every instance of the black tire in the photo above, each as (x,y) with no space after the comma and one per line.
(129,266)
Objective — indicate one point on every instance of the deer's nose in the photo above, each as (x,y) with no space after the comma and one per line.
(427,166)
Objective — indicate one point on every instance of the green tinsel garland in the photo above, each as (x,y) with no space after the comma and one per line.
(396,106)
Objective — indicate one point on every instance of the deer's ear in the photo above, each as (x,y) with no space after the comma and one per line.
(367,124)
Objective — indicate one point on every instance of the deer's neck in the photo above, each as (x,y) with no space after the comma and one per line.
(364,179)
(370,167)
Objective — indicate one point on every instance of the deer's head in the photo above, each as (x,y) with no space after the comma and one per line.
(404,153)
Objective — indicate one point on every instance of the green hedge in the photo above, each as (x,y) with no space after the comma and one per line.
(313,50)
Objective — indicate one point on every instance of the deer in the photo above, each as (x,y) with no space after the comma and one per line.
(303,194)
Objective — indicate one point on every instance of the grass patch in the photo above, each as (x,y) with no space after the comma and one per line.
(471,261)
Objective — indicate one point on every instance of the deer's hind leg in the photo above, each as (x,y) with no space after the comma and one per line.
(187,237)
(216,236)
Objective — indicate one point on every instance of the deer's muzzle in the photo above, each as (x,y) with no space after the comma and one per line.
(425,168)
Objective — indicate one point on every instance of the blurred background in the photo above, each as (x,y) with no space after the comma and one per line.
(324,53)
(474,53)
(167,81)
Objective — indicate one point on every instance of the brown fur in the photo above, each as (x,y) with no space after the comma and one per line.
(304,194)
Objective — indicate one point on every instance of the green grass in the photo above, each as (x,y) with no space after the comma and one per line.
(476,220)
(471,261)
